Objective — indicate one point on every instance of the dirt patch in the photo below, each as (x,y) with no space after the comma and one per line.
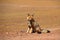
(54,35)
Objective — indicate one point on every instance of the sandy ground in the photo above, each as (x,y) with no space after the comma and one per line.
(13,15)
(22,35)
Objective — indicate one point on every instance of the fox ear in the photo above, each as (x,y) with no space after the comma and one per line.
(32,14)
(28,14)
